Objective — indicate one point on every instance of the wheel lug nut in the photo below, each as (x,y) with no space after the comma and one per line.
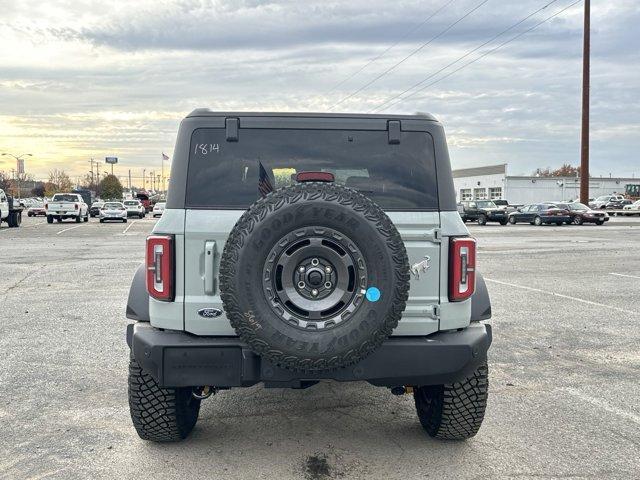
(327,269)
(315,262)
(301,268)
(327,285)
(301,285)
(314,292)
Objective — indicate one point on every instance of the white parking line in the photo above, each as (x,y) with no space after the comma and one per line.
(602,404)
(67,229)
(560,295)
(130,225)
(623,275)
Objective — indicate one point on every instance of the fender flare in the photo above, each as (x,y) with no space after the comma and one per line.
(480,301)
(138,301)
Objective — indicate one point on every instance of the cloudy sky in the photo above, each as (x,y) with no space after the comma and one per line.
(82,79)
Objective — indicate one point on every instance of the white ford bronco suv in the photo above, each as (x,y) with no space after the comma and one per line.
(296,248)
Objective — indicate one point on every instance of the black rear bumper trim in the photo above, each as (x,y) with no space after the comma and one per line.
(179,359)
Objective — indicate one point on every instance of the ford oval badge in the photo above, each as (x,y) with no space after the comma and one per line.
(209,312)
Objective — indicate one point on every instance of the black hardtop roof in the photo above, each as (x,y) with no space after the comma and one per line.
(207,112)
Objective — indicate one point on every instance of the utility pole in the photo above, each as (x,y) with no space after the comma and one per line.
(92,182)
(129,179)
(144,179)
(584,141)
(98,172)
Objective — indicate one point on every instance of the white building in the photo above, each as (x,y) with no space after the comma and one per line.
(493,182)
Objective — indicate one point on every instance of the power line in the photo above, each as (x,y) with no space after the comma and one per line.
(378,57)
(381,106)
(393,67)
(488,52)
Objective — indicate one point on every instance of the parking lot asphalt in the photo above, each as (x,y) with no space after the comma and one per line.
(564,372)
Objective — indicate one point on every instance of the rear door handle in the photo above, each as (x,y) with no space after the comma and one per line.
(209,267)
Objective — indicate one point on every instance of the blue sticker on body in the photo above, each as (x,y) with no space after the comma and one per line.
(373,294)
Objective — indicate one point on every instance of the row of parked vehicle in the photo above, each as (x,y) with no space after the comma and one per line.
(545,213)
(64,206)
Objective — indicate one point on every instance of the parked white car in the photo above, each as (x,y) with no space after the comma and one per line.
(113,211)
(135,208)
(633,209)
(67,205)
(158,209)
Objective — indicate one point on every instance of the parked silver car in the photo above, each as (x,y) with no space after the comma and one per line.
(113,211)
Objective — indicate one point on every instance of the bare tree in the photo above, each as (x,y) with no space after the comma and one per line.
(58,182)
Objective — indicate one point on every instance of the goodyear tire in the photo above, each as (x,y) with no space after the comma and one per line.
(314,277)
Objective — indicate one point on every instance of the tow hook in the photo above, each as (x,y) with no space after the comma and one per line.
(402,390)
(202,393)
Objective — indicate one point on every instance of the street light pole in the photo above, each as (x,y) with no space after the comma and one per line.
(584,140)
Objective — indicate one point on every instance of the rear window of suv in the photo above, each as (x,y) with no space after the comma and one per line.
(233,175)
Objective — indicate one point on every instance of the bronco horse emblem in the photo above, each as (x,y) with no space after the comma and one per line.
(420,267)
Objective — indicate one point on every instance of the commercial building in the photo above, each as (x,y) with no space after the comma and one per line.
(493,182)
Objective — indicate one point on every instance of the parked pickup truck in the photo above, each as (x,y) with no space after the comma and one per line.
(482,211)
(67,205)
(8,212)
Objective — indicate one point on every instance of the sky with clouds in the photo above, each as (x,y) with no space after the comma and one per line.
(82,78)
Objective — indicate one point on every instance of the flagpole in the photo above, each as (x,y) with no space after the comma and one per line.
(162,159)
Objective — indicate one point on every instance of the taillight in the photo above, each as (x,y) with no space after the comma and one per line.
(46,205)
(76,206)
(462,268)
(160,267)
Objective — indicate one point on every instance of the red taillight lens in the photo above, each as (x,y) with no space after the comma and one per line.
(462,268)
(76,206)
(46,205)
(160,267)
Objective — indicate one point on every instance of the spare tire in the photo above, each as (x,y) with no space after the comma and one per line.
(314,277)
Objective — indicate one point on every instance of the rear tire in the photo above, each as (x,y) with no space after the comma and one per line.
(124,220)
(512,220)
(537,221)
(482,220)
(503,222)
(578,220)
(599,222)
(49,219)
(14,219)
(78,218)
(102,220)
(454,411)
(160,414)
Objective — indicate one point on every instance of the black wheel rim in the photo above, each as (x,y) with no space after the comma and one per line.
(315,278)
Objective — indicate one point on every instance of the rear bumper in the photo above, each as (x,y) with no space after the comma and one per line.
(179,359)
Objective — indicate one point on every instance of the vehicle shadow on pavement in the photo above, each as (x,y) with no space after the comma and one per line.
(330,430)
